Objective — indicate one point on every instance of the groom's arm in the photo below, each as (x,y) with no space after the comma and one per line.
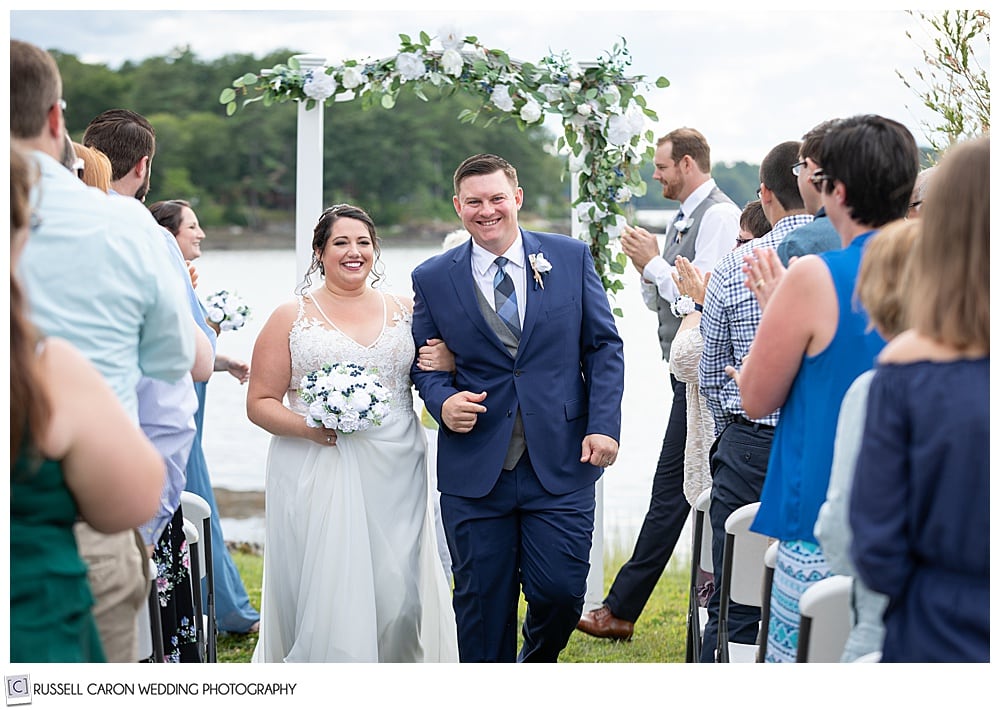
(602,357)
(434,387)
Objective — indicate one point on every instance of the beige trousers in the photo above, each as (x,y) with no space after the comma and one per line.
(119,580)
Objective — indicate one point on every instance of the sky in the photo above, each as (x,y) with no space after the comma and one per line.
(748,79)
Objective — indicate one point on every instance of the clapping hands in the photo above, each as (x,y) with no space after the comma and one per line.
(689,279)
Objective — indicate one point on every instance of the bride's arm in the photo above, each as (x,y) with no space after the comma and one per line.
(271,365)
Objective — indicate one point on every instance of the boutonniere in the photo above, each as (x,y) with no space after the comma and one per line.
(683,225)
(539,265)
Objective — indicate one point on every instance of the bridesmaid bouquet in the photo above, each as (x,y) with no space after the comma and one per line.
(344,396)
(227,310)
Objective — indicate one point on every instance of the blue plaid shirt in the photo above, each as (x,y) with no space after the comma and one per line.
(728,324)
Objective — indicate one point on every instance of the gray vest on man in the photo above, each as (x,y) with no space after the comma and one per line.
(517,444)
(669,323)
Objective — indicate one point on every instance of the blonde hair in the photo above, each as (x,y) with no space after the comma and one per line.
(881,282)
(949,275)
(96,166)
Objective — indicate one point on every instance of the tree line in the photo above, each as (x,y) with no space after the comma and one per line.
(397,163)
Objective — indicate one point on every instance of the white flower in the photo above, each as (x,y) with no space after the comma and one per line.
(319,85)
(574,87)
(531,111)
(352,77)
(453,239)
(624,194)
(451,62)
(619,132)
(574,70)
(683,305)
(615,230)
(410,66)
(552,92)
(584,109)
(539,265)
(683,225)
(451,38)
(216,315)
(578,163)
(501,98)
(583,212)
(612,95)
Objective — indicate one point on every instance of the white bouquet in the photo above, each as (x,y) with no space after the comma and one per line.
(227,310)
(344,396)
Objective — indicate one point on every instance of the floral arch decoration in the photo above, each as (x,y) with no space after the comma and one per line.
(602,111)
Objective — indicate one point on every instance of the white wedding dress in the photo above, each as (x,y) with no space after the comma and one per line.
(351,569)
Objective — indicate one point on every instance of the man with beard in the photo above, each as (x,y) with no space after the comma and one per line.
(129,141)
(705,228)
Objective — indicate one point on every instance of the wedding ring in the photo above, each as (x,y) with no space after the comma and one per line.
(760,282)
(680,278)
(329,439)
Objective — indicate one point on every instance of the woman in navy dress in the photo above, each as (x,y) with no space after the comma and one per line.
(920,507)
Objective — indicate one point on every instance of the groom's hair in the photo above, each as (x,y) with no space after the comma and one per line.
(484,164)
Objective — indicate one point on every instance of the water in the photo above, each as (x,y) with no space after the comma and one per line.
(236,449)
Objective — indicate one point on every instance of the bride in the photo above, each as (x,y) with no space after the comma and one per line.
(351,571)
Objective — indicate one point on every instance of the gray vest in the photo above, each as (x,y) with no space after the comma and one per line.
(669,323)
(517,444)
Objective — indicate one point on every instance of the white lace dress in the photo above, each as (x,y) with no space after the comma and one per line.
(685,354)
(351,570)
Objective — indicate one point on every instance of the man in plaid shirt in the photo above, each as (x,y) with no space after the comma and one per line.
(729,322)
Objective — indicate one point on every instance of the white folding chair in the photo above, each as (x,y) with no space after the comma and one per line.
(193,538)
(741,579)
(149,623)
(196,509)
(770,560)
(701,561)
(825,620)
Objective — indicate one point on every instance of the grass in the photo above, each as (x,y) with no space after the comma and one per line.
(659,633)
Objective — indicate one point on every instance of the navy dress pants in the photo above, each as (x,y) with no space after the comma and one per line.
(664,521)
(739,464)
(519,536)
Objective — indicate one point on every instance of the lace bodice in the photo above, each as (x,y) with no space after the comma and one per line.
(685,353)
(314,343)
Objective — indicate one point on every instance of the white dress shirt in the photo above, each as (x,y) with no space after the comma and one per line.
(720,225)
(484,269)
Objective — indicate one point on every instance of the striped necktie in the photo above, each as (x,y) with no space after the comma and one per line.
(504,298)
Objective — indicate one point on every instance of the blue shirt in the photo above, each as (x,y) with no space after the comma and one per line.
(813,238)
(729,323)
(94,274)
(798,471)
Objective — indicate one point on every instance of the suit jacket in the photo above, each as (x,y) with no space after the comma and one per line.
(567,376)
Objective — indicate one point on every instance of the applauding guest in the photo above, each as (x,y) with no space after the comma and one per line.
(920,507)
(351,571)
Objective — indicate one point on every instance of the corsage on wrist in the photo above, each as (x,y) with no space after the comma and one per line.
(683,305)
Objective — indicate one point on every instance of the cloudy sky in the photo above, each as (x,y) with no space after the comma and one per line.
(748,78)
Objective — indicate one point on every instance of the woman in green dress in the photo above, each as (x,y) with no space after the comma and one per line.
(74,452)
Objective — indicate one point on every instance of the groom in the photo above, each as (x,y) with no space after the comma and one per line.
(529,419)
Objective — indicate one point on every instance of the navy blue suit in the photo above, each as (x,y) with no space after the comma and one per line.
(532,525)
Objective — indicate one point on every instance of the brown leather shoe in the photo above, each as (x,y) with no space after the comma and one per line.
(601,623)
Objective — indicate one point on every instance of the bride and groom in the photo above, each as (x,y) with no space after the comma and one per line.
(529,413)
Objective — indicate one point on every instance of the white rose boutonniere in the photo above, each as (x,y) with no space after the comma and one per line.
(683,225)
(539,265)
(682,306)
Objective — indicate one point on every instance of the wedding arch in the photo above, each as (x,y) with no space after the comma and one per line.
(603,116)
(604,137)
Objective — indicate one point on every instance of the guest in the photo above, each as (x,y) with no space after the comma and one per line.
(880,291)
(813,341)
(141,325)
(71,442)
(350,567)
(96,167)
(703,229)
(166,410)
(919,191)
(729,321)
(233,610)
(753,223)
(920,507)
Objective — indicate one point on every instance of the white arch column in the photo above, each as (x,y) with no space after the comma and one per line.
(595,578)
(308,172)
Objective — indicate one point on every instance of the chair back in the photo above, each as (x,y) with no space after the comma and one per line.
(704,553)
(196,509)
(825,623)
(747,575)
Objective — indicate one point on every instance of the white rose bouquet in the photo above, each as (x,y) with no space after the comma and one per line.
(227,310)
(344,396)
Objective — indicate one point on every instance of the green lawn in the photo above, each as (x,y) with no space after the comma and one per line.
(659,634)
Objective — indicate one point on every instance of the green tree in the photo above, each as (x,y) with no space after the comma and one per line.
(951,82)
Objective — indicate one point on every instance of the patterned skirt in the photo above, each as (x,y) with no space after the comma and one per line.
(173,584)
(799,565)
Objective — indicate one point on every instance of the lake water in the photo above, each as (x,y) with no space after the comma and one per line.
(236,449)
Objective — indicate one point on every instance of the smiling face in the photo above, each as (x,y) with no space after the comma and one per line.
(488,206)
(667,172)
(189,234)
(349,253)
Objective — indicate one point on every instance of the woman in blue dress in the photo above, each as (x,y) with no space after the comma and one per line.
(234,613)
(920,506)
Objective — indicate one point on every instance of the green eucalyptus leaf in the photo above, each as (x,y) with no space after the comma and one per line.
(228,95)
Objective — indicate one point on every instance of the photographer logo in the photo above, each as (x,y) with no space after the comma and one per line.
(18,690)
